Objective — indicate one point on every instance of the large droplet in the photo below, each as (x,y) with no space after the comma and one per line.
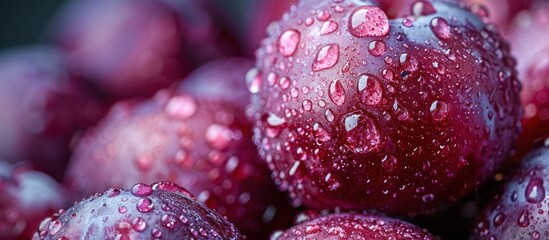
(337,93)
(141,190)
(274,124)
(389,162)
(326,58)
(377,47)
(439,110)
(440,28)
(288,42)
(368,21)
(328,27)
(370,89)
(139,224)
(145,205)
(361,133)
(535,192)
(54,227)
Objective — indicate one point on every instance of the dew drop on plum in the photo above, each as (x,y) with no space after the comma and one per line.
(54,227)
(408,62)
(145,205)
(284,83)
(328,27)
(377,48)
(337,93)
(274,124)
(181,107)
(138,224)
(389,162)
(361,133)
(329,115)
(499,219)
(440,28)
(422,8)
(439,110)
(321,135)
(370,89)
(253,80)
(288,42)
(523,220)
(368,21)
(168,221)
(326,58)
(141,190)
(535,192)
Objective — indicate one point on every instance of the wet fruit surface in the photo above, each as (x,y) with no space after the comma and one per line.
(41,108)
(197,137)
(161,211)
(352,226)
(26,197)
(519,211)
(403,112)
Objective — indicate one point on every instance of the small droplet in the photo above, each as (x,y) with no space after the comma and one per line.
(139,224)
(156,233)
(122,209)
(428,198)
(368,21)
(408,62)
(535,192)
(499,219)
(361,133)
(54,227)
(253,80)
(389,162)
(284,83)
(145,205)
(307,105)
(168,221)
(481,11)
(321,135)
(370,89)
(523,220)
(440,28)
(329,115)
(439,110)
(141,190)
(288,42)
(337,93)
(274,124)
(219,136)
(328,27)
(326,58)
(377,47)
(181,107)
(422,8)
(113,192)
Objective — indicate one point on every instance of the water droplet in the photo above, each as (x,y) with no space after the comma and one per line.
(368,21)
(389,162)
(307,105)
(141,190)
(181,107)
(294,168)
(535,192)
(428,198)
(284,83)
(321,135)
(329,115)
(370,89)
(122,209)
(139,224)
(326,58)
(145,205)
(440,28)
(388,74)
(54,227)
(499,219)
(171,187)
(253,80)
(523,220)
(481,11)
(168,221)
(377,47)
(219,136)
(439,110)
(408,62)
(408,22)
(288,42)
(361,133)
(328,27)
(113,192)
(337,93)
(323,16)
(422,8)
(274,125)
(156,233)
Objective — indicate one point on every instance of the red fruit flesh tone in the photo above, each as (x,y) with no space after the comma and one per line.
(359,110)
(200,140)
(519,211)
(528,38)
(126,48)
(161,211)
(41,108)
(26,197)
(353,226)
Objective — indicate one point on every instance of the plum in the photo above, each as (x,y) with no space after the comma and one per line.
(403,111)
(161,211)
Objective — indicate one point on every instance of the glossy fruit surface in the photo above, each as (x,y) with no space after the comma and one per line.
(161,211)
(198,137)
(360,109)
(26,197)
(520,210)
(353,226)
(41,108)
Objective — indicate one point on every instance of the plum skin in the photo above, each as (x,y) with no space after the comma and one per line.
(405,121)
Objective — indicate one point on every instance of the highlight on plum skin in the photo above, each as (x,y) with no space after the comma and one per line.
(418,109)
(162,210)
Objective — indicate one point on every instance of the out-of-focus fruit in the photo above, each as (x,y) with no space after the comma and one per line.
(41,108)
(26,197)
(519,210)
(528,38)
(498,12)
(358,109)
(130,48)
(161,211)
(353,226)
(200,140)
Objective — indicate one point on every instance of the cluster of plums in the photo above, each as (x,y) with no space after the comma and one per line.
(280,119)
